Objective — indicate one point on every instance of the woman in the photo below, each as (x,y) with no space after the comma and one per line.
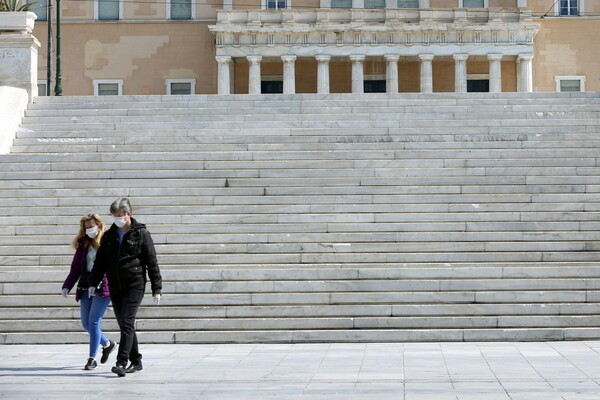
(92,308)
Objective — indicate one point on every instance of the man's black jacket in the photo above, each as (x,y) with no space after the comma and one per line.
(126,265)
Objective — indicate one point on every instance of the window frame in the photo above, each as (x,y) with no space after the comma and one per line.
(264,5)
(192,11)
(461,4)
(410,8)
(192,83)
(557,8)
(45,83)
(119,83)
(97,11)
(580,78)
(374,8)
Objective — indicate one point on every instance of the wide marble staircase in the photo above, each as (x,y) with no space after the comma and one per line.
(306,218)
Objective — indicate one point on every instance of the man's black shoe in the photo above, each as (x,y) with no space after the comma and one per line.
(106,351)
(119,370)
(134,367)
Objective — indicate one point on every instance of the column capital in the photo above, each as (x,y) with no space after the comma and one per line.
(223,59)
(525,57)
(391,57)
(322,57)
(357,57)
(460,56)
(426,57)
(496,56)
(288,57)
(254,59)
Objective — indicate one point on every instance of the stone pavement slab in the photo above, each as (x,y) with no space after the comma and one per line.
(348,371)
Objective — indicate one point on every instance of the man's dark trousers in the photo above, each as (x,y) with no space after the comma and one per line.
(126,303)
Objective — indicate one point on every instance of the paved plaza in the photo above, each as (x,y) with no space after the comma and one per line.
(380,371)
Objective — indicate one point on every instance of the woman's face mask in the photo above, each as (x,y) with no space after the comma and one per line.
(92,232)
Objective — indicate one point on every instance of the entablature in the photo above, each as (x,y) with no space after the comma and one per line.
(375,28)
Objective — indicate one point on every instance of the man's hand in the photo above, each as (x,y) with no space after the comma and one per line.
(157,299)
(91,291)
(65,292)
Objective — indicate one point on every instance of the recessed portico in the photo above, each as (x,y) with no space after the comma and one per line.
(455,42)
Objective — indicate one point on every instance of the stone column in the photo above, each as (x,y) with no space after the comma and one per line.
(460,73)
(526,73)
(358,85)
(495,72)
(323,73)
(391,73)
(254,74)
(223,75)
(426,73)
(289,74)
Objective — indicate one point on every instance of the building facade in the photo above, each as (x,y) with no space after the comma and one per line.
(324,46)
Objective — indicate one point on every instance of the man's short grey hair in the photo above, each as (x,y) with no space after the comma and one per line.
(121,204)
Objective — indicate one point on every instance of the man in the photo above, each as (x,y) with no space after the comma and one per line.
(126,254)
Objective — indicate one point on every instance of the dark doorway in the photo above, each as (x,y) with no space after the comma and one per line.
(478,85)
(375,86)
(270,87)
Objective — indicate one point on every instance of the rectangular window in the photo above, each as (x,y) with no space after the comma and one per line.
(40,8)
(569,7)
(473,4)
(345,4)
(374,4)
(41,87)
(108,87)
(570,83)
(181,9)
(181,86)
(408,3)
(276,5)
(108,9)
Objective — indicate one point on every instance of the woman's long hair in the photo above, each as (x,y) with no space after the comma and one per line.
(85,239)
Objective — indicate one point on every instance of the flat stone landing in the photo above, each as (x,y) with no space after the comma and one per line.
(375,371)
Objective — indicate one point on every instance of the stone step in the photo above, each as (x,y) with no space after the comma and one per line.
(324,115)
(39,225)
(390,287)
(339,285)
(291,323)
(139,188)
(241,273)
(162,235)
(382,140)
(591,121)
(172,152)
(319,311)
(365,177)
(343,250)
(323,335)
(220,109)
(579,253)
(183,195)
(442,201)
(334,298)
(321,134)
(378,99)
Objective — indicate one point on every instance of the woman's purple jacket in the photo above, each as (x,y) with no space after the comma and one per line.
(78,266)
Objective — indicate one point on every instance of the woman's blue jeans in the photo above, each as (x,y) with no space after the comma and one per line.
(92,310)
